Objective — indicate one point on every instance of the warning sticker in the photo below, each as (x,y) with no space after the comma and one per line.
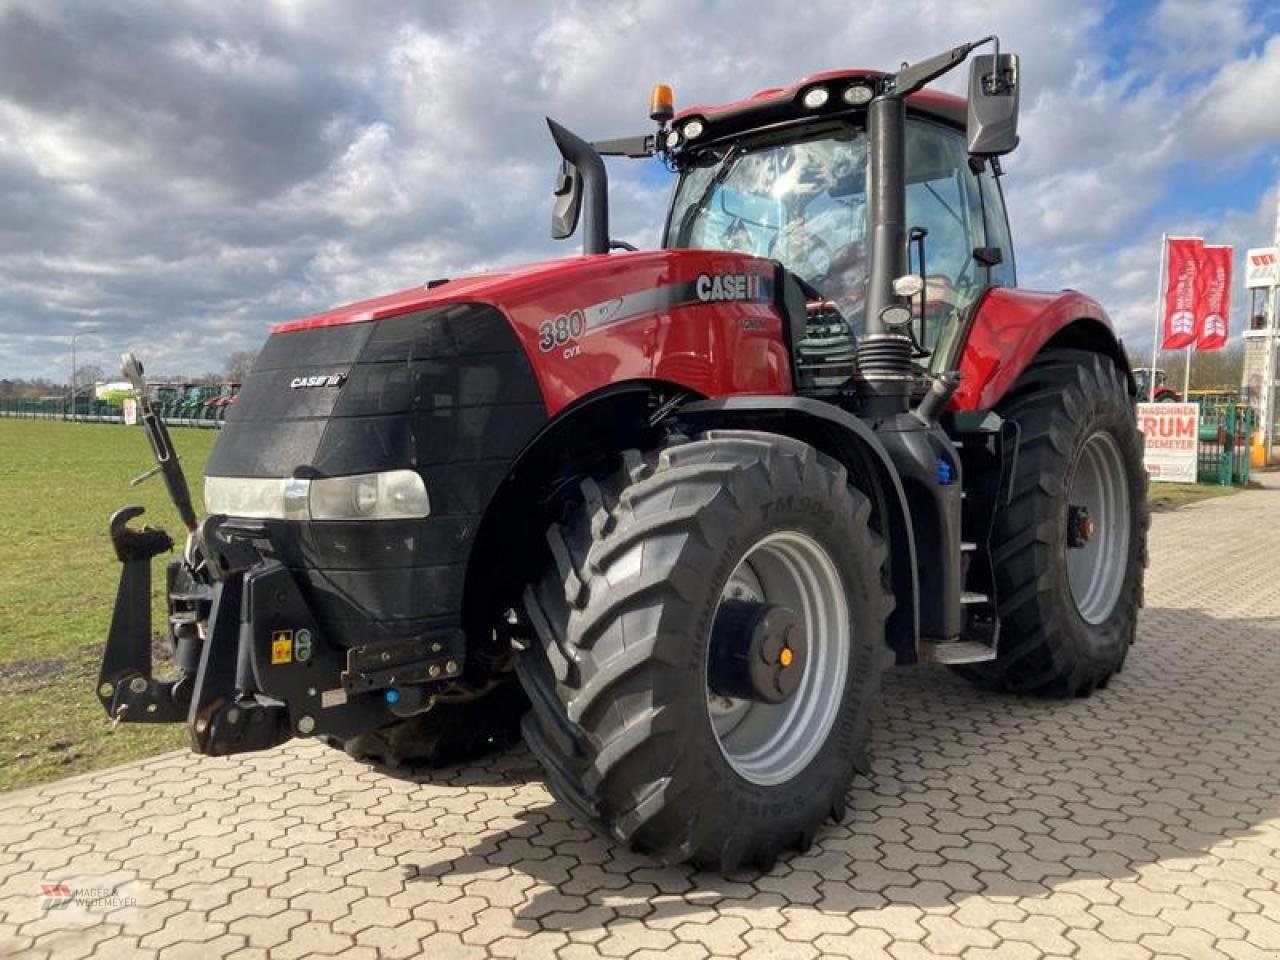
(281,646)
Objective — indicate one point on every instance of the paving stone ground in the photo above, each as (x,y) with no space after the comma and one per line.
(1143,822)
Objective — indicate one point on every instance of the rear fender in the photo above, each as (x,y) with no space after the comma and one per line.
(1009,327)
(838,434)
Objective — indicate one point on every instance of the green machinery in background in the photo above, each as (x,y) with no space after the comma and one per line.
(1225,439)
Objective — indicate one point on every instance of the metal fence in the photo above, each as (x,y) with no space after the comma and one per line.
(1225,439)
(103,411)
(1225,427)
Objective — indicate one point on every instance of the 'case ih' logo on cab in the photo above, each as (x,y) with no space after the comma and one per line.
(324,380)
(728,286)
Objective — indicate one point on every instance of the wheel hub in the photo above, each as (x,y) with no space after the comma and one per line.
(1080,527)
(792,599)
(1098,526)
(758,651)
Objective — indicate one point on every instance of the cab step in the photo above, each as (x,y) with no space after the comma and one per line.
(952,652)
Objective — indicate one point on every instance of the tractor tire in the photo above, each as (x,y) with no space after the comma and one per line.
(449,733)
(631,737)
(1068,602)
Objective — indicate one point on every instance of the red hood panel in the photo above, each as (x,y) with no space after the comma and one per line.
(527,283)
(706,320)
(481,287)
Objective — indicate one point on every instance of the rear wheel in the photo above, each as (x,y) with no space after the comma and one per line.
(1070,547)
(710,640)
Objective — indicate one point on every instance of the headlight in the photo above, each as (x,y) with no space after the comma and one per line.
(858,94)
(391,495)
(693,130)
(815,97)
(394,495)
(257,498)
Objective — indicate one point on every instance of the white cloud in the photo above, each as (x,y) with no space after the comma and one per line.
(187,174)
(1197,35)
(1239,109)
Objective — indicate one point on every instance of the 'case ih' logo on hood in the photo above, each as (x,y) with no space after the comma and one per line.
(729,286)
(323,380)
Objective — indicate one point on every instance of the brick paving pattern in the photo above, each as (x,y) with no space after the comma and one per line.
(1141,823)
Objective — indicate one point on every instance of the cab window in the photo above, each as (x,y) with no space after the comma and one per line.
(944,199)
(1003,274)
(801,202)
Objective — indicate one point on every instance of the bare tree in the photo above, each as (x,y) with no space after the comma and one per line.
(240,363)
(1214,370)
(87,374)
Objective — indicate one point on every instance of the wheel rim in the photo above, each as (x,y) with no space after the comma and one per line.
(1096,568)
(771,743)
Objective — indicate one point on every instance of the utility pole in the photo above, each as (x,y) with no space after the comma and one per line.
(1269,362)
(74,334)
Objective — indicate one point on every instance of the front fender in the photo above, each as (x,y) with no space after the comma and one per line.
(1010,326)
(843,436)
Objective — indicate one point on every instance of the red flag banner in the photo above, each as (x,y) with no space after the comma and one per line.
(1180,326)
(1213,306)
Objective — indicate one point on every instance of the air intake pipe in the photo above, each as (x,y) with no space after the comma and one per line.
(884,353)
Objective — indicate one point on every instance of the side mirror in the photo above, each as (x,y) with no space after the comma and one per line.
(568,201)
(993,104)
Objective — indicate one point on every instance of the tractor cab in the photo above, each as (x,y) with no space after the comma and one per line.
(879,198)
(1153,385)
(796,192)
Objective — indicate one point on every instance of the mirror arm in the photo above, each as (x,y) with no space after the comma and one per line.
(637,148)
(914,76)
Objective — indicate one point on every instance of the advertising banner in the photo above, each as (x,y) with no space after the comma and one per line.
(1169,440)
(1180,328)
(1213,305)
(129,407)
(1262,267)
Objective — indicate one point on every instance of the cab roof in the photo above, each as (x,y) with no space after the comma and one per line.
(781,104)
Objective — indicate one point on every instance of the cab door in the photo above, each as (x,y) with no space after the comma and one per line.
(943,197)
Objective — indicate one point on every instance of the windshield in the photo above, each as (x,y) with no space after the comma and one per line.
(802,203)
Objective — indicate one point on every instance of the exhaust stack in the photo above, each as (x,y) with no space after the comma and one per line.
(582,181)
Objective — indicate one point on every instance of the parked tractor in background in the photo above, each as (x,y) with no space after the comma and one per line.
(1162,392)
(671,511)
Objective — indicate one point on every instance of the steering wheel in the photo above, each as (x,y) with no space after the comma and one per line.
(736,236)
(814,256)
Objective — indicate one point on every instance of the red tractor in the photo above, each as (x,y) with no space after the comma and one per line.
(1157,392)
(672,512)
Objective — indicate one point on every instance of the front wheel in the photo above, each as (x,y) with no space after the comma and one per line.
(710,640)
(1070,546)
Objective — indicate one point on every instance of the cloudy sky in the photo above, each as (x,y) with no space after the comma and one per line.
(175,177)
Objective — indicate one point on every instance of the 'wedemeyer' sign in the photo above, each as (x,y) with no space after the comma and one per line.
(1169,440)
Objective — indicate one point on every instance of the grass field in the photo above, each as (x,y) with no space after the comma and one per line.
(59,484)
(1170,496)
